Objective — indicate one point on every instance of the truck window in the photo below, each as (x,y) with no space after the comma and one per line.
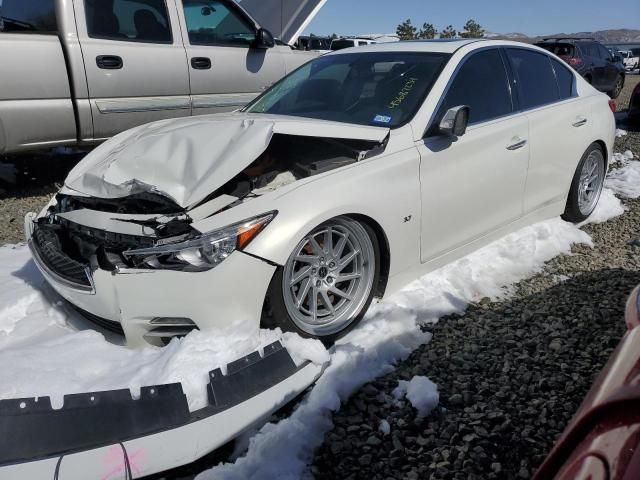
(33,16)
(211,22)
(128,20)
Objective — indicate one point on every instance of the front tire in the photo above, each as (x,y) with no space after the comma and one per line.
(586,186)
(328,282)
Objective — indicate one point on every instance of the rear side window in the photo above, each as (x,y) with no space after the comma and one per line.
(482,84)
(536,81)
(560,49)
(28,16)
(565,78)
(128,20)
(589,50)
(341,44)
(214,23)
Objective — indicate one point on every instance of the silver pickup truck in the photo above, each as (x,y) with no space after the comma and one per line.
(76,72)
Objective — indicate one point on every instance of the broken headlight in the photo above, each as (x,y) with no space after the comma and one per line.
(201,253)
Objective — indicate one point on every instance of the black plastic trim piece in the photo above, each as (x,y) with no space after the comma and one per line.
(30,429)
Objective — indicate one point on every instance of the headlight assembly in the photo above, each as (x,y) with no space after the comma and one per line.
(201,253)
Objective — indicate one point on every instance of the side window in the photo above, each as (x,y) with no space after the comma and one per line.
(565,78)
(214,23)
(32,16)
(536,81)
(128,20)
(604,53)
(362,44)
(589,49)
(482,84)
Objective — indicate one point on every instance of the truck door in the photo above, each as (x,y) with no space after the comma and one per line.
(135,62)
(225,71)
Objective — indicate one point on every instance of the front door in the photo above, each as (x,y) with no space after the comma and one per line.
(135,62)
(474,184)
(225,70)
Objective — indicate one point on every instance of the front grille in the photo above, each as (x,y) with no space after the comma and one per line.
(47,248)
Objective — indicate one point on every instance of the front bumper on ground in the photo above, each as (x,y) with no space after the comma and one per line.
(230,295)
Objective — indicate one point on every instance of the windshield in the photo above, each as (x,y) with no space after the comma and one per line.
(379,89)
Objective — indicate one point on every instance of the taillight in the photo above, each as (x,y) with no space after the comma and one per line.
(575,61)
(613,106)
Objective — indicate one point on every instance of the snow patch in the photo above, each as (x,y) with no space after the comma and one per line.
(609,206)
(620,133)
(421,392)
(384,427)
(625,181)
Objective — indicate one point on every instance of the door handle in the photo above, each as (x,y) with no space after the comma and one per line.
(580,122)
(201,63)
(518,145)
(109,62)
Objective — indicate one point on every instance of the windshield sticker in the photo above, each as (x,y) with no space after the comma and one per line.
(404,93)
(382,119)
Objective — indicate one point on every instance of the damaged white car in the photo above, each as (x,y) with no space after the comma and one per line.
(355,174)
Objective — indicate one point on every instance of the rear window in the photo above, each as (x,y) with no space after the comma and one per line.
(340,44)
(128,20)
(537,84)
(566,79)
(28,16)
(564,50)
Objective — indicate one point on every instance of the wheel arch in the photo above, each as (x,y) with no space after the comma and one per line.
(385,250)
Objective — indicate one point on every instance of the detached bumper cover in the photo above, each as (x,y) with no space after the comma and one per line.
(96,432)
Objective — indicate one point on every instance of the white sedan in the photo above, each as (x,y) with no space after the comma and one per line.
(355,174)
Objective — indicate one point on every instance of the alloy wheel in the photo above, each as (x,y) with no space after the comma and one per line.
(328,278)
(591,182)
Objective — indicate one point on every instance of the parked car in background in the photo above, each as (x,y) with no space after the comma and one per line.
(630,58)
(634,105)
(318,44)
(590,59)
(602,441)
(81,71)
(345,181)
(342,43)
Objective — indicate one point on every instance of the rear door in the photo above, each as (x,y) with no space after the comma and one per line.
(225,70)
(610,67)
(475,184)
(593,60)
(559,122)
(135,62)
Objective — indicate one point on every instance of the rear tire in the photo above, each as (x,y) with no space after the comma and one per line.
(320,267)
(586,185)
(617,88)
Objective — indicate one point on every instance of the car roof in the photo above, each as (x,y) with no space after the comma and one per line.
(436,46)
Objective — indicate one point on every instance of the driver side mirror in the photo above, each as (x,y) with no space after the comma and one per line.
(264,39)
(455,121)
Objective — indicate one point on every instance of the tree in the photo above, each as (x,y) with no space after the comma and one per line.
(472,29)
(406,31)
(428,31)
(448,32)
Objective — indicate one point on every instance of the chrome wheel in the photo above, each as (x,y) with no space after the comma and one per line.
(591,182)
(328,279)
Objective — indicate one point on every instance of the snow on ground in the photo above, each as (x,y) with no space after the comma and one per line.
(421,392)
(625,181)
(620,132)
(51,351)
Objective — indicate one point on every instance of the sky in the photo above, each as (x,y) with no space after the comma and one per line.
(531,17)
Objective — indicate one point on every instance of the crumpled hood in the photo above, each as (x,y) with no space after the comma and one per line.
(188,159)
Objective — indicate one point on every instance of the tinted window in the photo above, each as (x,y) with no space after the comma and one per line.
(604,53)
(340,44)
(27,16)
(482,84)
(589,49)
(565,79)
(560,49)
(128,20)
(536,81)
(212,22)
(383,89)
